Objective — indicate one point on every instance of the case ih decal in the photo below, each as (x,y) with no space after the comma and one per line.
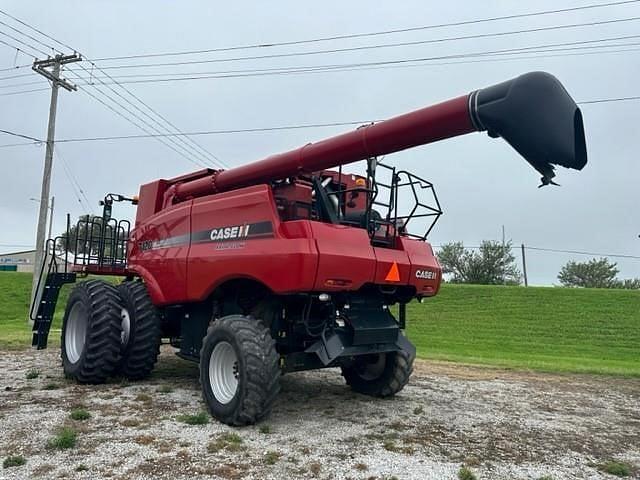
(246,231)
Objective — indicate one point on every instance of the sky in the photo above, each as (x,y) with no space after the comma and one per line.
(482,184)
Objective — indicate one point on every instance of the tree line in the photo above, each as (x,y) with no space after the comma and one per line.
(493,263)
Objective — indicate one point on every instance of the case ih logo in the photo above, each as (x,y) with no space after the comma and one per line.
(246,231)
(426,274)
(229,233)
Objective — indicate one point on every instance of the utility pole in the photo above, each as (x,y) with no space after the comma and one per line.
(53,75)
(51,205)
(524,266)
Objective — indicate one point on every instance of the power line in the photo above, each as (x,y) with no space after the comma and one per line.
(13,47)
(384,63)
(26,44)
(576,252)
(369,47)
(75,184)
(16,67)
(115,81)
(119,113)
(173,141)
(22,75)
(372,34)
(555,250)
(261,129)
(25,91)
(484,57)
(21,136)
(609,100)
(26,35)
(23,84)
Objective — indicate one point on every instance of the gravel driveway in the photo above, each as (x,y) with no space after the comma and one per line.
(500,424)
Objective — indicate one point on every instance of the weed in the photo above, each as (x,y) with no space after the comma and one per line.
(13,461)
(264,428)
(143,397)
(33,373)
(315,468)
(614,467)
(144,439)
(81,468)
(51,386)
(200,418)
(79,414)
(165,389)
(65,438)
(272,457)
(361,466)
(418,410)
(129,422)
(389,445)
(229,441)
(545,477)
(466,474)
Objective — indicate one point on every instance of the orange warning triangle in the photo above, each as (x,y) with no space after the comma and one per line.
(394,274)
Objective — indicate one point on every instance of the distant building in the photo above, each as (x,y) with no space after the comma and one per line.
(18,261)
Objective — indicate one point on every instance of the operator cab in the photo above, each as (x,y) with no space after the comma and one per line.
(360,201)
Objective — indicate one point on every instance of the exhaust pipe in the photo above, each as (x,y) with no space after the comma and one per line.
(537,117)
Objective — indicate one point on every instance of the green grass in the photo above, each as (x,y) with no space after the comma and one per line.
(13,461)
(614,467)
(65,438)
(466,474)
(229,441)
(547,329)
(15,289)
(79,414)
(201,418)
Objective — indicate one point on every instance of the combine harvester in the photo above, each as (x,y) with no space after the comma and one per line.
(283,265)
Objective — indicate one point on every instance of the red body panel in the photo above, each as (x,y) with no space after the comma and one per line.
(158,251)
(346,259)
(187,250)
(281,263)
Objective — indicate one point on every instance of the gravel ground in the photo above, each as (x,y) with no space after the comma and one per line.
(501,424)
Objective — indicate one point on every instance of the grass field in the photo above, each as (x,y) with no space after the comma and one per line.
(549,329)
(541,328)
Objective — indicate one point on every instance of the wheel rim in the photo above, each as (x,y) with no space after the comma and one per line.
(223,372)
(371,370)
(125,326)
(76,332)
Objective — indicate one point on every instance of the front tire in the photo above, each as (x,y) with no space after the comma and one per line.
(379,375)
(239,370)
(91,332)
(140,333)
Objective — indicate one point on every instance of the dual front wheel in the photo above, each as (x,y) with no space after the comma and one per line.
(109,330)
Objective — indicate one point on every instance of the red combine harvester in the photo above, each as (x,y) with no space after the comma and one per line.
(282,265)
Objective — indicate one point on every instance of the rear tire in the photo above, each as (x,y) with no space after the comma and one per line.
(91,332)
(239,370)
(140,331)
(380,375)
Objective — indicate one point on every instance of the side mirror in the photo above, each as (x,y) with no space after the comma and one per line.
(537,117)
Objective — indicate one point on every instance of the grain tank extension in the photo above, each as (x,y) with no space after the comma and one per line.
(284,264)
